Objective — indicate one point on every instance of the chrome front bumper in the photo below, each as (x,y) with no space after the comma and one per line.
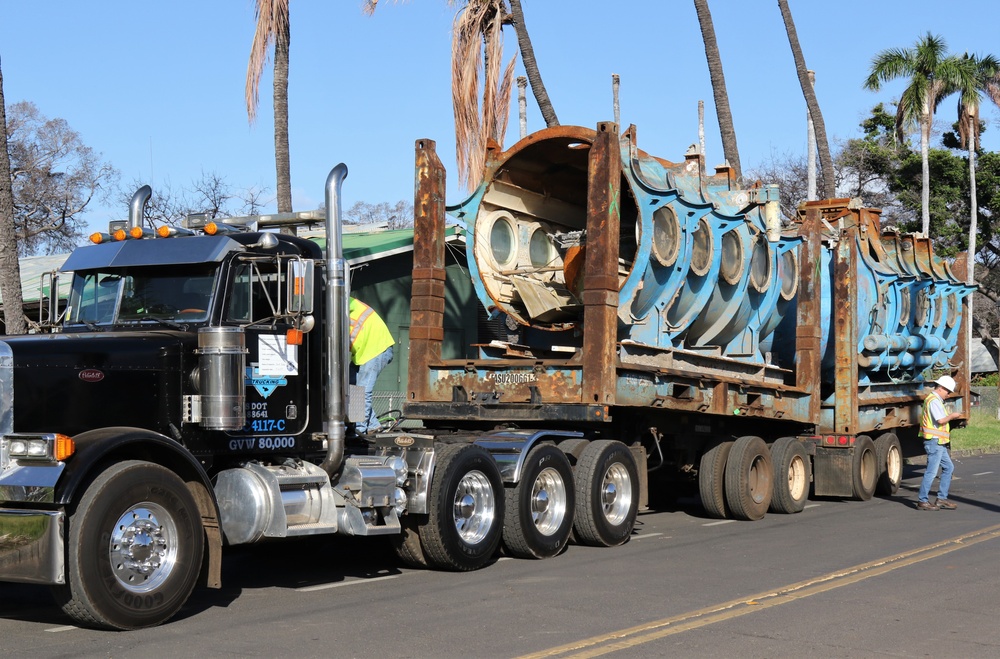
(31,539)
(31,546)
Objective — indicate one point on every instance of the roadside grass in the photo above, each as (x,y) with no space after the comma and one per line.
(982,433)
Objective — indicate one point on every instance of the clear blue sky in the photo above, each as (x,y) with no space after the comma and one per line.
(157,87)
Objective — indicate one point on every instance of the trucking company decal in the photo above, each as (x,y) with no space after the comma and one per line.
(275,360)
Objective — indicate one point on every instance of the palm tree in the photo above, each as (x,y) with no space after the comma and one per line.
(932,75)
(986,80)
(531,66)
(726,127)
(10,267)
(477,49)
(822,144)
(273,26)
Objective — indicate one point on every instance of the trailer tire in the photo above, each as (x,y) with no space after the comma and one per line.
(749,478)
(792,475)
(539,515)
(135,548)
(407,543)
(607,496)
(467,509)
(864,468)
(890,464)
(712,479)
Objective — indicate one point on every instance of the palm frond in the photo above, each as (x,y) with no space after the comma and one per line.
(477,64)
(272,17)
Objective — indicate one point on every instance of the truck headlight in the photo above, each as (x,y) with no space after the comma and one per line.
(49,447)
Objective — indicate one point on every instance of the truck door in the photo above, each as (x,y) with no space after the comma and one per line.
(277,373)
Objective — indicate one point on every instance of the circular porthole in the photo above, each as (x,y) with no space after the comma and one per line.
(666,236)
(952,317)
(789,275)
(731,268)
(923,308)
(540,249)
(701,252)
(760,264)
(503,240)
(904,307)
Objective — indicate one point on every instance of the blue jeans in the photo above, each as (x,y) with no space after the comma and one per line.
(937,456)
(365,376)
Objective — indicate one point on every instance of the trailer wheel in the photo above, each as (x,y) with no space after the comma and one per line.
(712,480)
(791,476)
(607,498)
(135,548)
(749,478)
(467,509)
(864,468)
(890,463)
(539,514)
(407,543)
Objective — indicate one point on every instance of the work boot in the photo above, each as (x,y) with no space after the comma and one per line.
(944,504)
(927,505)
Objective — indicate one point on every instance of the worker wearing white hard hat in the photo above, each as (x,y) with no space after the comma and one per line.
(935,430)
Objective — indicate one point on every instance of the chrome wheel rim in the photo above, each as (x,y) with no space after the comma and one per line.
(143,547)
(616,494)
(475,507)
(549,499)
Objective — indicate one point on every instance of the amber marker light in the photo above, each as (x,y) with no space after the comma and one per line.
(119,235)
(163,232)
(64,447)
(211,228)
(135,232)
(97,238)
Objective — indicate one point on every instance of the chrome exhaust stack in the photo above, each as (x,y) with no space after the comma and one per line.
(135,206)
(337,326)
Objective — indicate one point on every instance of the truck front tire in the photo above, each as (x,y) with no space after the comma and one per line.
(135,548)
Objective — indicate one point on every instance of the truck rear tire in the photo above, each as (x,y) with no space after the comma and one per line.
(749,478)
(135,548)
(864,468)
(607,496)
(890,463)
(712,480)
(407,543)
(792,476)
(539,514)
(466,509)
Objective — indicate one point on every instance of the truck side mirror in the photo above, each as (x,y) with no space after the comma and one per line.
(300,279)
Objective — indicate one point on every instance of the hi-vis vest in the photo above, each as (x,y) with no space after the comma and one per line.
(369,335)
(929,429)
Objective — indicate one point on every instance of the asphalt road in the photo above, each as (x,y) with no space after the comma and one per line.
(840,579)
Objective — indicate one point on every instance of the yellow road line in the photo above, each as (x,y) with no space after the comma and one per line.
(657,629)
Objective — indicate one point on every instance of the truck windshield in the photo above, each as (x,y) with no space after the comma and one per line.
(140,294)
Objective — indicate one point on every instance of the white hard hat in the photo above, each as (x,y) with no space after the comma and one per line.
(947,382)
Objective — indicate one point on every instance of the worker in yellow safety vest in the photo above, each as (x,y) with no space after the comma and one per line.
(371,351)
(935,430)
